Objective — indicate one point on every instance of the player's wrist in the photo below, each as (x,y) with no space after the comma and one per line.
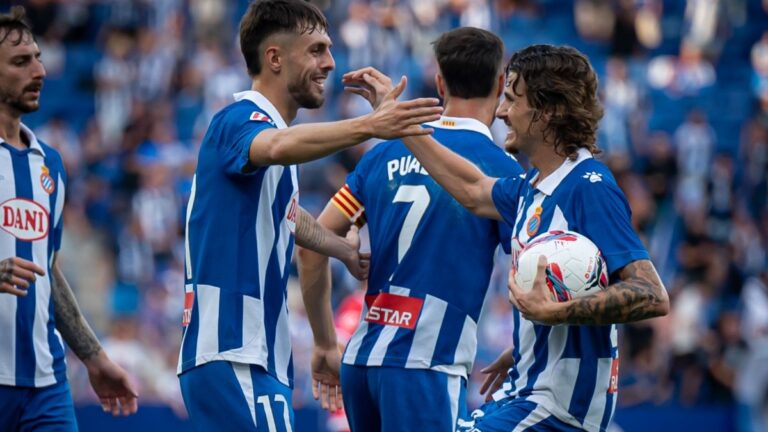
(362,127)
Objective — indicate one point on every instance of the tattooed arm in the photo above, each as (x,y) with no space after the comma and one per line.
(311,235)
(109,381)
(638,295)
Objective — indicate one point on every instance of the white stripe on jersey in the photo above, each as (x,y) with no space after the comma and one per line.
(282,344)
(467,348)
(253,324)
(265,232)
(454,393)
(527,339)
(43,356)
(285,231)
(353,346)
(187,253)
(243,374)
(376,357)
(8,303)
(426,333)
(208,336)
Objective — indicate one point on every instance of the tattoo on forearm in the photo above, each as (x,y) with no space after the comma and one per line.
(639,295)
(309,233)
(70,322)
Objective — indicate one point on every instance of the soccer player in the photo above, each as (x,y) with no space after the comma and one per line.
(431,259)
(243,215)
(565,355)
(35,299)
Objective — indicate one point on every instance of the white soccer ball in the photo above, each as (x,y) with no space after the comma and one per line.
(575,266)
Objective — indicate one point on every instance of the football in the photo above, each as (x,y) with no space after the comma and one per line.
(575,266)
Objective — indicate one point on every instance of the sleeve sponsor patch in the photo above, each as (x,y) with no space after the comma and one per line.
(257,116)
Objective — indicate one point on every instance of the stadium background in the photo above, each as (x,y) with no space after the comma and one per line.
(132,85)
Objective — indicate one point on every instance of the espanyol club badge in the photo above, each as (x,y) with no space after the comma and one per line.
(47,181)
(534,223)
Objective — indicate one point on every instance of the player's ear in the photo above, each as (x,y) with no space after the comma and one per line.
(440,84)
(273,58)
(500,84)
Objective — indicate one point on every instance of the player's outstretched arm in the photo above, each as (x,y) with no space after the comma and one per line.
(638,295)
(109,381)
(315,281)
(461,178)
(301,143)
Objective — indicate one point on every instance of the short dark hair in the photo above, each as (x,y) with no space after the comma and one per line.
(267,17)
(561,83)
(14,26)
(470,61)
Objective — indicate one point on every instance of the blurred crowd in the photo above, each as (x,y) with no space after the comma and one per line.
(132,85)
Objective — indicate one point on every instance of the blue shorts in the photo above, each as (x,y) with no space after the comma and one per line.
(222,395)
(45,409)
(507,415)
(398,399)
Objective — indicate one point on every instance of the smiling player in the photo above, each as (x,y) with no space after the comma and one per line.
(243,215)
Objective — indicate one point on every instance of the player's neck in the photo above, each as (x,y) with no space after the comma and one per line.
(280,98)
(545,160)
(480,109)
(10,128)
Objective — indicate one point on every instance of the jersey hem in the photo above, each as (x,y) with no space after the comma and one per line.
(234,358)
(455,370)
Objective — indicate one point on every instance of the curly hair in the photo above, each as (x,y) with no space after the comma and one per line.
(562,85)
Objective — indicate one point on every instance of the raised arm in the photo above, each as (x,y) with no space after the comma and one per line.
(638,295)
(301,143)
(109,381)
(461,178)
(315,281)
(458,176)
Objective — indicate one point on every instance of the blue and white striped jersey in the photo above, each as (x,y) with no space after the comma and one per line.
(431,259)
(32,184)
(568,370)
(239,242)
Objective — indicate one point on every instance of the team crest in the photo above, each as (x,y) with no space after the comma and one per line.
(259,117)
(46,181)
(534,223)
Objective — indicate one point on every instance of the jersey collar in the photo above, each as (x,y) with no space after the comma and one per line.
(549,184)
(465,123)
(263,103)
(34,144)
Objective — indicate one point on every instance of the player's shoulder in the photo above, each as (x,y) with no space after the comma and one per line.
(52,156)
(593,173)
(241,112)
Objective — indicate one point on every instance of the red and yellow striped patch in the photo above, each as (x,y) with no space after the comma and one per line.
(350,206)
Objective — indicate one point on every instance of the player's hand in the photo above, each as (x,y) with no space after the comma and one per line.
(496,374)
(110,382)
(369,83)
(536,305)
(357,263)
(325,378)
(16,274)
(391,118)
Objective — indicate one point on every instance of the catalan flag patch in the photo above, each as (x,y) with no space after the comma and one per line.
(350,206)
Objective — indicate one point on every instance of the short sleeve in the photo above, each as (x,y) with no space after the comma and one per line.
(603,215)
(241,127)
(505,236)
(505,195)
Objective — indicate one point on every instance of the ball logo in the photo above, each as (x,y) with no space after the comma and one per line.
(24,219)
(46,181)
